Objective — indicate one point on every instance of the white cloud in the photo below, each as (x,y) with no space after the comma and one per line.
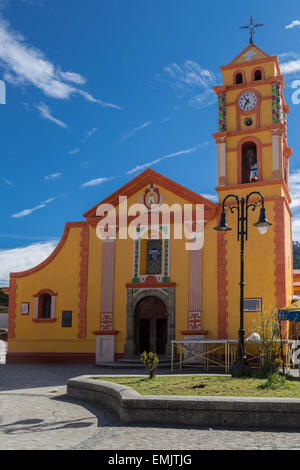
(48,201)
(202,100)
(293,24)
(24,64)
(89,134)
(190,73)
(135,130)
(291,66)
(73,77)
(85,164)
(73,152)
(7,182)
(46,113)
(171,155)
(53,176)
(95,182)
(296,228)
(294,184)
(89,97)
(190,77)
(211,197)
(26,212)
(21,259)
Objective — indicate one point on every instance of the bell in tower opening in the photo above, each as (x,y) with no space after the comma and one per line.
(249,163)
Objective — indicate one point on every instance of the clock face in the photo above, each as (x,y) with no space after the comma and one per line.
(247,101)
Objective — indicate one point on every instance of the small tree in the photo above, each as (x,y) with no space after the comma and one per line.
(3,298)
(150,361)
(270,345)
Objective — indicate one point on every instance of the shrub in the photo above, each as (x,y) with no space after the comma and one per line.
(275,382)
(150,361)
(270,345)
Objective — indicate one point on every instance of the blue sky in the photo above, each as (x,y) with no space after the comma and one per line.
(99,90)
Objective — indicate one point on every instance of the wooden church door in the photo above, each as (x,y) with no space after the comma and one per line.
(151,325)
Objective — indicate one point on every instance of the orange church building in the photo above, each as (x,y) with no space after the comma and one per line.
(101,300)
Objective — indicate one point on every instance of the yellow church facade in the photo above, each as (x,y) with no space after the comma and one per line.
(102,300)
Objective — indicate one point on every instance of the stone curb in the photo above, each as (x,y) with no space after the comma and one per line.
(132,407)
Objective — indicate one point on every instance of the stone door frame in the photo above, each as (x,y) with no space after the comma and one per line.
(134,296)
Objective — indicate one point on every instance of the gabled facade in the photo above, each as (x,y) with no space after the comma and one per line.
(107,299)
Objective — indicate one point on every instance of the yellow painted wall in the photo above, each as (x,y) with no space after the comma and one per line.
(61,275)
(259,270)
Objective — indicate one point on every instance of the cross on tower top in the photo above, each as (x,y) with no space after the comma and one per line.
(252,28)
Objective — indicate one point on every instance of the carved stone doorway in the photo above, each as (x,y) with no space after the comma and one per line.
(151,325)
(134,297)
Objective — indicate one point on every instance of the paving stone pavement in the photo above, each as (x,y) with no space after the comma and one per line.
(36,414)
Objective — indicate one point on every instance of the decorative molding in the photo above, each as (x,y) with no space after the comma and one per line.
(277,110)
(194,332)
(12,308)
(106,321)
(222,112)
(221,142)
(45,291)
(83,280)
(257,185)
(164,276)
(195,290)
(152,198)
(222,285)
(103,333)
(150,285)
(107,286)
(194,321)
(151,176)
(217,135)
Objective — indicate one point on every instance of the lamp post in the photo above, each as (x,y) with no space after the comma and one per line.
(242,206)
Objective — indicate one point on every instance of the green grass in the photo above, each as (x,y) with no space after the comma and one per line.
(208,386)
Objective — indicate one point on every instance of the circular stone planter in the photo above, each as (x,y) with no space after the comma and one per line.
(132,407)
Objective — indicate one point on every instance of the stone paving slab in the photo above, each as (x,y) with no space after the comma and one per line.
(35,414)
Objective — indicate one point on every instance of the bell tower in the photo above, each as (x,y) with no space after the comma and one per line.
(253,155)
(252,124)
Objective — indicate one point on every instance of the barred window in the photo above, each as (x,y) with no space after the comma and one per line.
(252,305)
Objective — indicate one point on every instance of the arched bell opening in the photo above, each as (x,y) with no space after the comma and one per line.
(249,163)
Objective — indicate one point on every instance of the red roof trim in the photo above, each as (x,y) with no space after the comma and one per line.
(147,177)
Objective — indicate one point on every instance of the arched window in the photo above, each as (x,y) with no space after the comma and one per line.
(239,78)
(45,306)
(257,75)
(249,163)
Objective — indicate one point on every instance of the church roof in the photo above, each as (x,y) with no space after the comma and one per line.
(251,54)
(250,51)
(150,176)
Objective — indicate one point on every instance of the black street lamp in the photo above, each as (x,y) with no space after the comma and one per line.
(241,367)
